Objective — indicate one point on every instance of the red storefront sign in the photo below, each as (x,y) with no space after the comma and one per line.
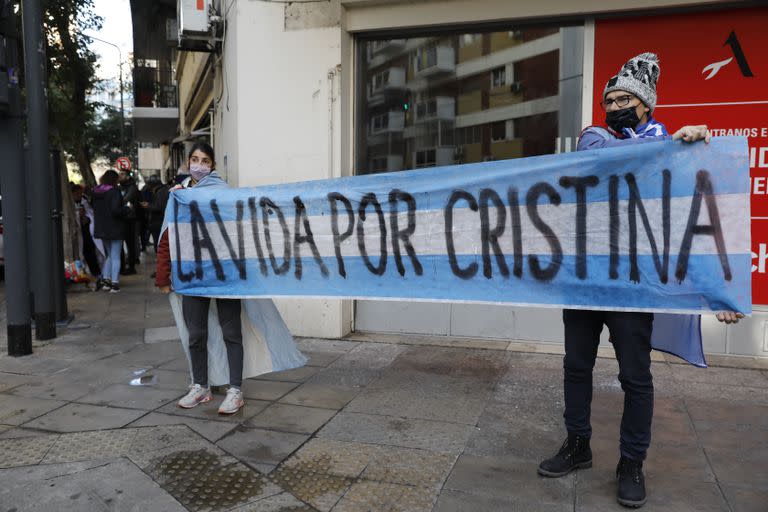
(714,71)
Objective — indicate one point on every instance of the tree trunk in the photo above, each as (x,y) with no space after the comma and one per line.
(83,159)
(70,227)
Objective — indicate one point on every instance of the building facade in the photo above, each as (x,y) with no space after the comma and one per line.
(301,91)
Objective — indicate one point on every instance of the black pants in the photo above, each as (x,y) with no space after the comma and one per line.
(631,338)
(195,311)
(89,252)
(132,245)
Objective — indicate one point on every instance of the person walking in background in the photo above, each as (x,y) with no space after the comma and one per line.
(110,226)
(156,209)
(92,249)
(131,199)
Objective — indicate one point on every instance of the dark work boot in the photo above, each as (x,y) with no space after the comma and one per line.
(631,491)
(574,454)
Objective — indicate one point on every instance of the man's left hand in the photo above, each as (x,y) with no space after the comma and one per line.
(692,133)
(729,317)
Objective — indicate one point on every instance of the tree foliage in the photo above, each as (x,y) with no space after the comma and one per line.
(102,135)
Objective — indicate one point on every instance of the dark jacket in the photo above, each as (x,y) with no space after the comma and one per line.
(131,197)
(157,207)
(109,213)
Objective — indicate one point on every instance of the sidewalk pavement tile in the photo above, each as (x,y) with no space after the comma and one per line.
(720,376)
(321,358)
(261,447)
(33,365)
(132,397)
(265,389)
(221,488)
(745,465)
(291,418)
(347,377)
(409,433)
(370,356)
(210,410)
(745,499)
(156,334)
(168,379)
(329,457)
(24,452)
(453,501)
(320,395)
(153,438)
(719,415)
(683,461)
(75,487)
(19,432)
(320,491)
(409,466)
(11,380)
(190,461)
(296,375)
(665,493)
(154,354)
(179,364)
(380,497)
(211,430)
(508,477)
(16,410)
(81,417)
(68,385)
(283,502)
(99,444)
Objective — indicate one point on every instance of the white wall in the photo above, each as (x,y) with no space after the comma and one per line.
(277,127)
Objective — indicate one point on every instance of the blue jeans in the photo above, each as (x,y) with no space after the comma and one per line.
(631,338)
(111,268)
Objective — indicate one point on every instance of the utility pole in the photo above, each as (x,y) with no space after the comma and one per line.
(43,216)
(122,108)
(13,189)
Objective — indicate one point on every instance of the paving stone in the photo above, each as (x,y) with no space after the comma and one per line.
(188,462)
(65,386)
(83,486)
(154,354)
(296,375)
(329,457)
(320,395)
(320,491)
(408,466)
(453,501)
(719,376)
(11,380)
(483,365)
(410,433)
(377,496)
(741,466)
(211,430)
(712,415)
(26,451)
(220,487)
(16,410)
(508,477)
(291,418)
(33,365)
(345,377)
(210,410)
(156,334)
(257,446)
(17,432)
(132,397)
(745,499)
(325,345)
(369,356)
(79,446)
(321,358)
(80,417)
(283,502)
(266,390)
(160,437)
(168,379)
(179,364)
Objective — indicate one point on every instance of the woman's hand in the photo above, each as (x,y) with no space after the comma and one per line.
(165,290)
(692,133)
(729,317)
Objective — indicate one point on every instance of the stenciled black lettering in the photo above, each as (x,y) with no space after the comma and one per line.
(490,237)
(704,191)
(580,185)
(370,199)
(636,204)
(237,258)
(614,226)
(456,196)
(202,240)
(255,233)
(403,235)
(267,208)
(301,219)
(517,231)
(333,198)
(532,205)
(183,277)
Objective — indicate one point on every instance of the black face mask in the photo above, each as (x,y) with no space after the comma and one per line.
(624,118)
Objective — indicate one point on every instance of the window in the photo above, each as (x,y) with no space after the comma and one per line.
(498,77)
(432,106)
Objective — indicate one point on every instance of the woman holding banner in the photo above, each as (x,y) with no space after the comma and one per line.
(628,100)
(268,344)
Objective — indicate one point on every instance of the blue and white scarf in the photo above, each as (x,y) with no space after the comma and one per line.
(650,129)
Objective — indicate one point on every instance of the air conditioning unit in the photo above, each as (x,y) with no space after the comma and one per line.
(193,17)
(516,87)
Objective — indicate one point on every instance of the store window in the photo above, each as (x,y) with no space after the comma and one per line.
(458,98)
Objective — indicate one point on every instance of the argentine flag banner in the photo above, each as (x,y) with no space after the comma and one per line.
(660,227)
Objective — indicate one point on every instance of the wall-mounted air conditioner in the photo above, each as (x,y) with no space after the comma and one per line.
(193,17)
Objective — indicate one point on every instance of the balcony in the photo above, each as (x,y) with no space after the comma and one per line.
(434,157)
(384,84)
(386,48)
(434,60)
(437,108)
(389,122)
(386,163)
(155,111)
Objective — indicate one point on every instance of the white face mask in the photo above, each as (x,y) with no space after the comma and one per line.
(199,171)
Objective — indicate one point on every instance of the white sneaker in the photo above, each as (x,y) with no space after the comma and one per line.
(197,395)
(232,402)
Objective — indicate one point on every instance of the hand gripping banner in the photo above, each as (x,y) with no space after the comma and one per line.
(660,227)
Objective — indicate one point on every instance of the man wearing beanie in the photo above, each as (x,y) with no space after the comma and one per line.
(629,99)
